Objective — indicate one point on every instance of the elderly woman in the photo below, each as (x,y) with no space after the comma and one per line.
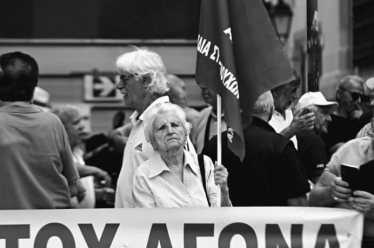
(172,176)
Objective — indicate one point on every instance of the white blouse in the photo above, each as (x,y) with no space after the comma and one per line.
(156,186)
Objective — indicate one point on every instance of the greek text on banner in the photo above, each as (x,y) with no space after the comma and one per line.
(166,228)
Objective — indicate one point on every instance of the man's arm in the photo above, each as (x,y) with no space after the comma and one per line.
(99,174)
(73,189)
(320,196)
(328,187)
(335,147)
(119,136)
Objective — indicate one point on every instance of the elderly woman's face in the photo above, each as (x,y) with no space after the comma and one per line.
(168,132)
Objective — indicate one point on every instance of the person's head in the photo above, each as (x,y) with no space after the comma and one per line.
(41,99)
(264,106)
(177,91)
(71,118)
(18,77)
(142,78)
(317,103)
(348,93)
(369,87)
(285,94)
(165,127)
(209,96)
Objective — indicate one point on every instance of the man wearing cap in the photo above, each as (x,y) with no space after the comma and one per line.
(345,119)
(311,145)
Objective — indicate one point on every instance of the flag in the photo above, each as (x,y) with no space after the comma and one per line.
(239,56)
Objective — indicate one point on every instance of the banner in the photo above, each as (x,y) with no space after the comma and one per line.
(239,56)
(288,227)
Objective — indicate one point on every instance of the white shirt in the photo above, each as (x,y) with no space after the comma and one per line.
(354,152)
(156,186)
(137,151)
(279,123)
(89,200)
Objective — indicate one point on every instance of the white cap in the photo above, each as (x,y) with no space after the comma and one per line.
(41,98)
(370,83)
(314,98)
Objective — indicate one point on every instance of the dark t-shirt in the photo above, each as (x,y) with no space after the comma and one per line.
(340,130)
(271,171)
(313,154)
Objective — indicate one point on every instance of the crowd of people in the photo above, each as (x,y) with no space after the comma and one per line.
(294,147)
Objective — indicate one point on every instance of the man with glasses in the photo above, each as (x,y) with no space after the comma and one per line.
(143,84)
(345,119)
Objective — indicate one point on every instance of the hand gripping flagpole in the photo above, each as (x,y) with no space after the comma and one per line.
(219,144)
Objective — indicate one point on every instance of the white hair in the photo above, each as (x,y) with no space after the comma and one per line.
(66,113)
(144,63)
(158,110)
(264,104)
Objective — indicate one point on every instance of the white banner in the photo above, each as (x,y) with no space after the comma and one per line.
(189,228)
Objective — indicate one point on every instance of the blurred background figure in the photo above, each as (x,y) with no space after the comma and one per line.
(41,99)
(205,126)
(178,95)
(345,120)
(108,152)
(95,181)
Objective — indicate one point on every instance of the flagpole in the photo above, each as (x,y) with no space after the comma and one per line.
(219,143)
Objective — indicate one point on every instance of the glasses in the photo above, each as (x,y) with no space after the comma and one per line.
(365,98)
(354,95)
(124,78)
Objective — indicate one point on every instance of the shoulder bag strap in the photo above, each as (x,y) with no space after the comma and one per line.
(200,158)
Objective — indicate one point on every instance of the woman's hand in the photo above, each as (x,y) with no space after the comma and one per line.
(220,176)
(340,190)
(363,202)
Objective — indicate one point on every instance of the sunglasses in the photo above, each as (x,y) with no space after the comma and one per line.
(354,95)
(365,98)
